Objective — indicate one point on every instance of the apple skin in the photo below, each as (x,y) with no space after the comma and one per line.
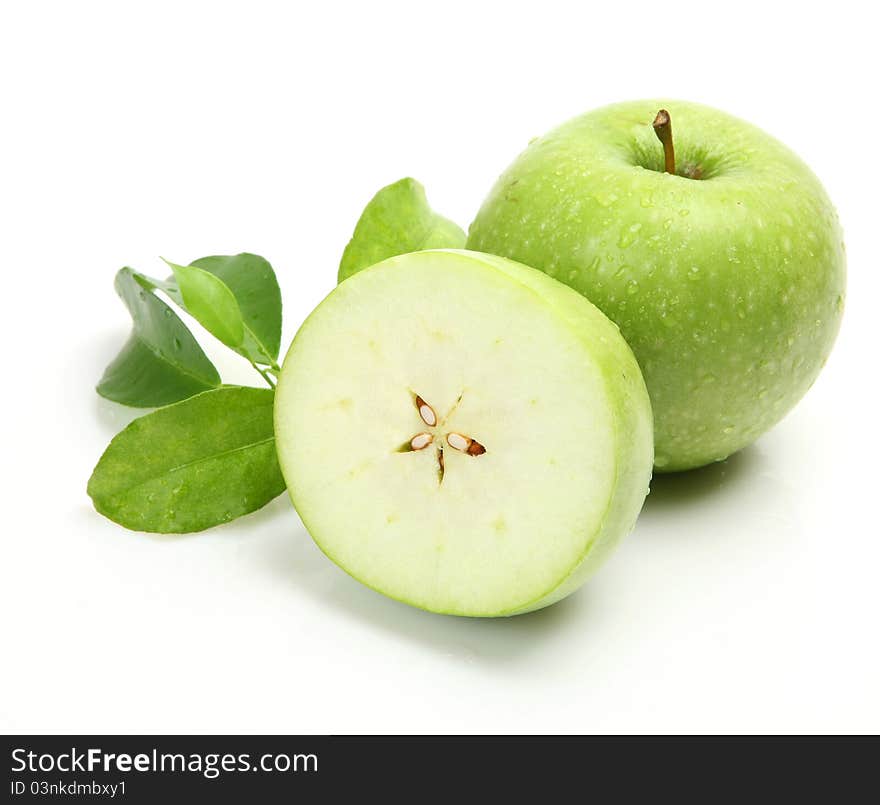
(728,288)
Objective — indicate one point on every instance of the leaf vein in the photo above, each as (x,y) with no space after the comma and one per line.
(166,360)
(194,462)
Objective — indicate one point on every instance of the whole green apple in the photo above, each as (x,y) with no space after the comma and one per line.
(726,275)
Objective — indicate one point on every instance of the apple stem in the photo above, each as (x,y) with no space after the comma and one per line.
(663,129)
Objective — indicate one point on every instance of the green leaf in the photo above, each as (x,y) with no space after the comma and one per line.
(192,465)
(234,298)
(209,301)
(161,362)
(398,220)
(255,288)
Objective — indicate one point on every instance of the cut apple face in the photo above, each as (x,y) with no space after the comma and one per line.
(463,433)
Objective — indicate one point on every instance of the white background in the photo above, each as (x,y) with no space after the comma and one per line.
(747,597)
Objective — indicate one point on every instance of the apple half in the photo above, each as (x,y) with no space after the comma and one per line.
(463,433)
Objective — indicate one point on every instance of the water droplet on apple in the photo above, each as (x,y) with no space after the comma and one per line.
(628,236)
(728,429)
(694,273)
(632,287)
(606,201)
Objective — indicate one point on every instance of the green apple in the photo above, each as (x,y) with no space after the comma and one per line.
(726,276)
(462,433)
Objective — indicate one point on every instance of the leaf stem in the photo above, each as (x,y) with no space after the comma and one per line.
(265,374)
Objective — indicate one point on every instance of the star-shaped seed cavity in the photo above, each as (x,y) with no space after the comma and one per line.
(435,435)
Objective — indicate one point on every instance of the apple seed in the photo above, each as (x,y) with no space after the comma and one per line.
(420,441)
(465,444)
(426,412)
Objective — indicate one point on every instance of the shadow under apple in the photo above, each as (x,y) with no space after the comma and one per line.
(292,554)
(479,640)
(676,489)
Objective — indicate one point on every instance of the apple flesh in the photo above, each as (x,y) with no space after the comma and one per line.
(726,279)
(462,433)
